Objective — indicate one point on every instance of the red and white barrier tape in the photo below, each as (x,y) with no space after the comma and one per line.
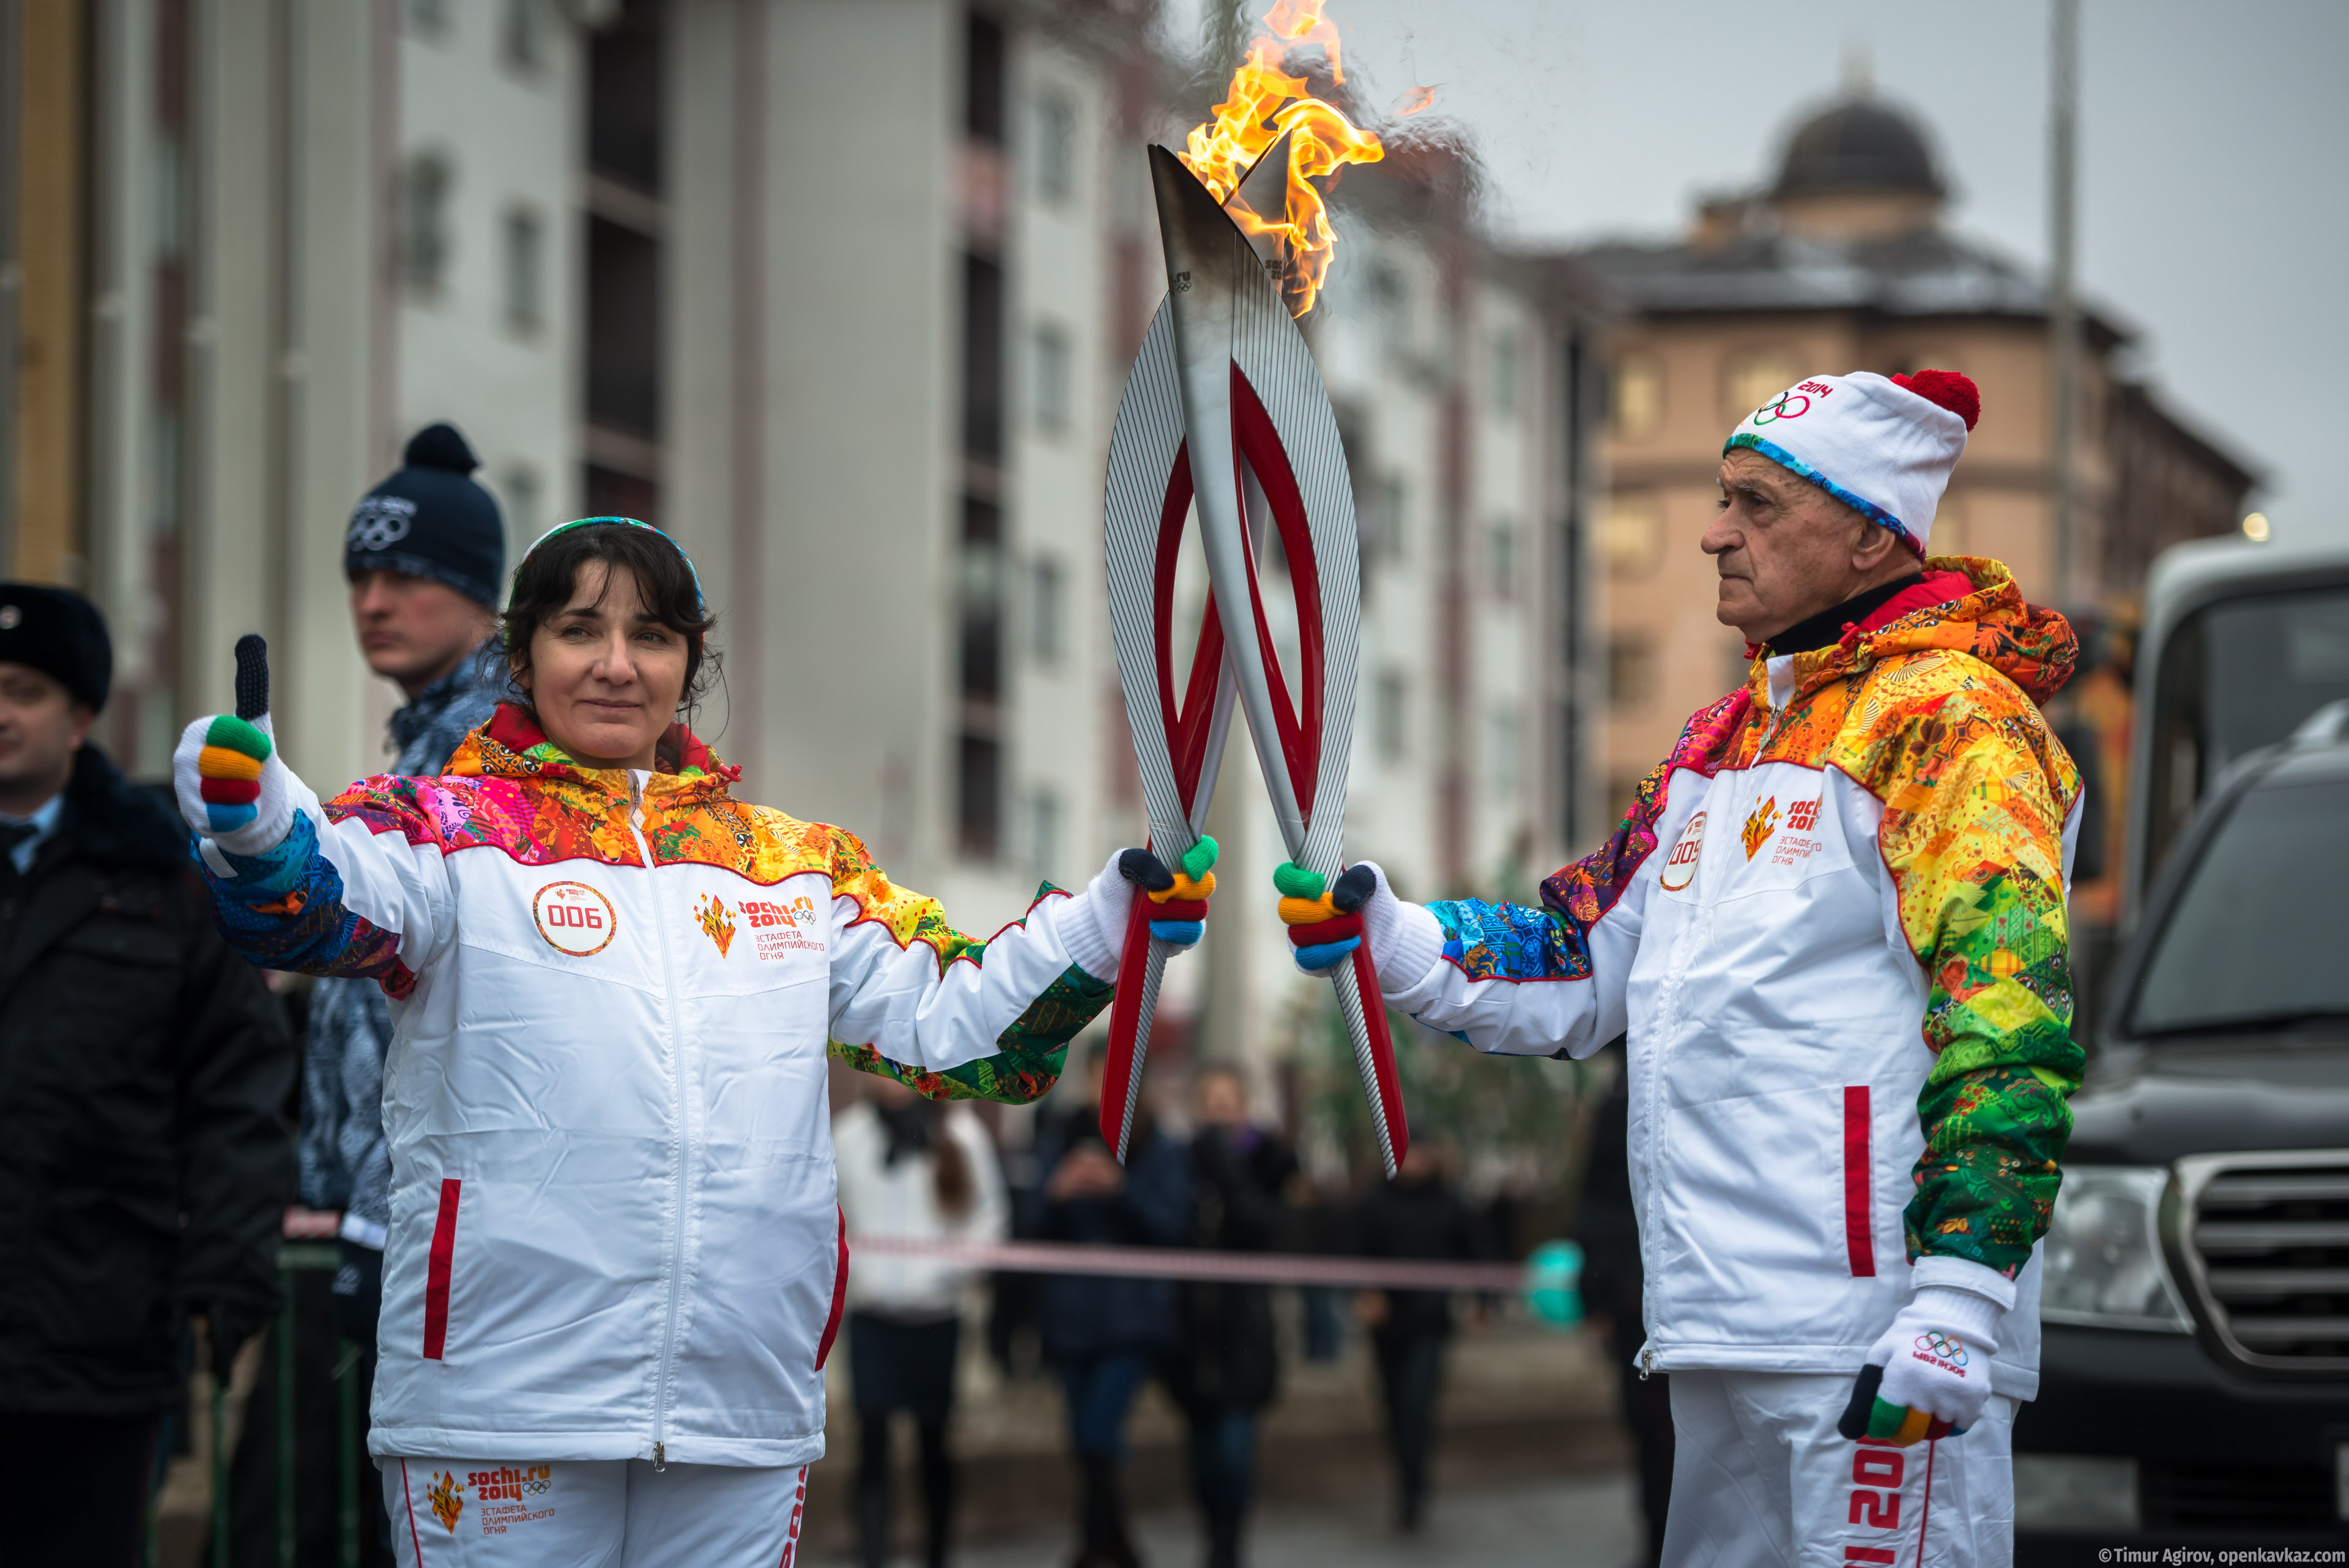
(1190,1264)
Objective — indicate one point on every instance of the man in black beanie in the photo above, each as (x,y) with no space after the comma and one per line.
(143,1163)
(425,552)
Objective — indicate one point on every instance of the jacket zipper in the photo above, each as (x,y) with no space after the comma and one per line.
(676,1080)
(1668,1026)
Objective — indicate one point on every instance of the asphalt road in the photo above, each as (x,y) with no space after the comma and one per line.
(1582,1522)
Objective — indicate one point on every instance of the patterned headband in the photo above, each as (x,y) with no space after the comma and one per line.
(700,601)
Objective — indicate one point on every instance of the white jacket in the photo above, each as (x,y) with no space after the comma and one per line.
(901,1200)
(613,1228)
(1832,925)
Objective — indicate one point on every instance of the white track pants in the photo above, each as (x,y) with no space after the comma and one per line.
(1761,1479)
(592,1513)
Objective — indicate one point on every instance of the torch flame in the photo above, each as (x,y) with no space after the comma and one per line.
(1264,103)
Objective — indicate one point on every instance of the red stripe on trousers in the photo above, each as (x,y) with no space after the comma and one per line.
(409,1499)
(799,1507)
(1925,1511)
(436,1273)
(1858,1234)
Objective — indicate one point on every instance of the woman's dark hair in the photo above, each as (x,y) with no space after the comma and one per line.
(544,582)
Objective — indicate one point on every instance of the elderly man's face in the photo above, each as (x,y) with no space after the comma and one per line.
(1786,549)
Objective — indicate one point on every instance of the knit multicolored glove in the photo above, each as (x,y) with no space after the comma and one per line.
(1325,922)
(1181,895)
(232,786)
(1929,1376)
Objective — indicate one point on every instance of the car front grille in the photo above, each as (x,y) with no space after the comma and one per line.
(2265,1241)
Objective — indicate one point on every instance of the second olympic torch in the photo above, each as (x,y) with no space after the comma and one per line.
(1224,404)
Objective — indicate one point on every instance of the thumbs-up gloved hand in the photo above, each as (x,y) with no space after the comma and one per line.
(232,788)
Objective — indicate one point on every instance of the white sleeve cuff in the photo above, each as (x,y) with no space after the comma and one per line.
(1964,1274)
(1085,919)
(1406,942)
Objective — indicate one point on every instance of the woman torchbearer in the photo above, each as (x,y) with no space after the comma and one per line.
(615,1264)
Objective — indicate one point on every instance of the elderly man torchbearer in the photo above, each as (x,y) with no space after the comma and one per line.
(1833,923)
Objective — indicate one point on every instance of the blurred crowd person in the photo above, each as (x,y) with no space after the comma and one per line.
(1614,1284)
(144,1158)
(1225,1365)
(1416,1216)
(924,1170)
(1102,1335)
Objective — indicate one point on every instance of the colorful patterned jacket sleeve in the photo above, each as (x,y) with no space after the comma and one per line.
(917,1001)
(352,899)
(1972,833)
(1582,938)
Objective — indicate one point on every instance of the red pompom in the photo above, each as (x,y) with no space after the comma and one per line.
(1947,390)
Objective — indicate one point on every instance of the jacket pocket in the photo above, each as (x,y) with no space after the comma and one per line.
(1859,1226)
(437,1268)
(839,1294)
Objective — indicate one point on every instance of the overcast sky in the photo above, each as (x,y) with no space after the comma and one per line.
(2214,174)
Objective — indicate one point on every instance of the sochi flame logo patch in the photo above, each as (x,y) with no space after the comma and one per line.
(715,920)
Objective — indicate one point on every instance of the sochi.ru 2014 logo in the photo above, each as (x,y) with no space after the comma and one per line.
(1679,869)
(573,918)
(445,1494)
(715,920)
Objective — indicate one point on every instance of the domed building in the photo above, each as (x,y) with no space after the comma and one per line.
(1844,261)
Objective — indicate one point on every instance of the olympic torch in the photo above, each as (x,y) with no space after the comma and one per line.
(1224,399)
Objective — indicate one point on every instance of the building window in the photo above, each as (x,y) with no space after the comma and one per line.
(1052,360)
(982,357)
(426,18)
(1388,716)
(624,97)
(623,328)
(1752,378)
(1508,375)
(521,36)
(1043,833)
(1630,535)
(978,787)
(983,79)
(1630,669)
(424,191)
(525,269)
(1048,610)
(1502,559)
(1638,395)
(978,778)
(1056,147)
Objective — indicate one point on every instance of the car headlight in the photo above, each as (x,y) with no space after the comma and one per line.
(2104,1260)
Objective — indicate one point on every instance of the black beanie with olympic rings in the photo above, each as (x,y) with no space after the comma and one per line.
(431,520)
